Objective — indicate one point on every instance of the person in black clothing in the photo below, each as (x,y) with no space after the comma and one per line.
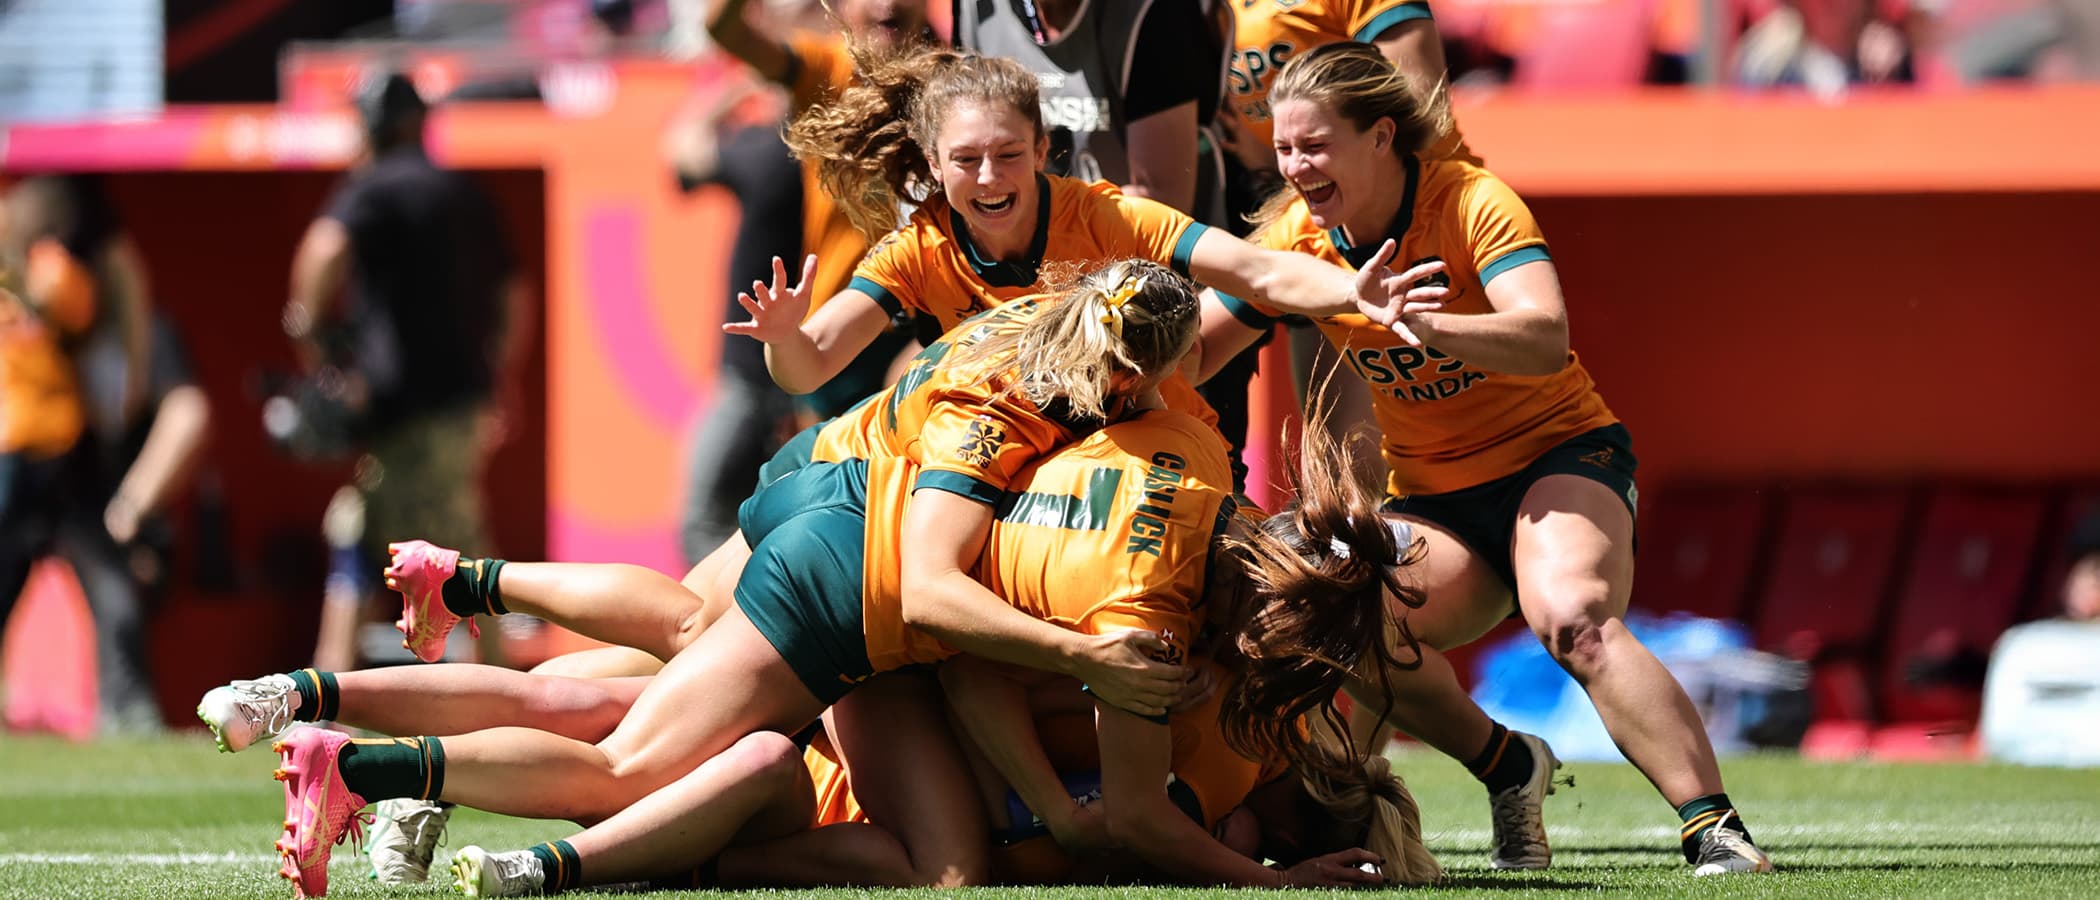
(418,345)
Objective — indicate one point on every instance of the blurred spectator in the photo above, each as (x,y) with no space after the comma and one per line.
(785,214)
(46,298)
(1826,45)
(2081,587)
(1126,86)
(433,321)
(146,421)
(2014,45)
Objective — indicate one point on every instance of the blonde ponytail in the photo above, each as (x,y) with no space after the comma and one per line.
(1379,804)
(1132,316)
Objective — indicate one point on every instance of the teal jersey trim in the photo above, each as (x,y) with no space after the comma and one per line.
(1511,260)
(1186,247)
(959,484)
(881,295)
(1245,312)
(1389,18)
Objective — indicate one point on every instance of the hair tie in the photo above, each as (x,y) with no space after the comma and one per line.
(1403,535)
(1112,302)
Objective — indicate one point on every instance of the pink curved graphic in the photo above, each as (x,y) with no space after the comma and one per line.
(616,293)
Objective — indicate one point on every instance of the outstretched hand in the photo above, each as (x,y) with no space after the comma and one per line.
(1398,302)
(777,310)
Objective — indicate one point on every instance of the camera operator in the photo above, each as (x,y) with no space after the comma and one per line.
(411,356)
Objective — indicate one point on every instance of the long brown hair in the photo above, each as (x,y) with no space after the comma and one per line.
(874,144)
(1357,83)
(1130,316)
(1319,572)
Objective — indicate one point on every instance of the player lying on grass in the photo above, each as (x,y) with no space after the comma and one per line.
(791,645)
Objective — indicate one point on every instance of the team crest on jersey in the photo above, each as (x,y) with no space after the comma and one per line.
(982,441)
(1440,279)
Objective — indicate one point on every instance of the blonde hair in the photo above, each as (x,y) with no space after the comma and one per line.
(874,144)
(1129,316)
(1356,82)
(1379,804)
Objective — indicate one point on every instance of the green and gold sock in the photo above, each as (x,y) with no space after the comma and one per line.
(319,697)
(560,865)
(472,590)
(1703,814)
(1504,763)
(386,768)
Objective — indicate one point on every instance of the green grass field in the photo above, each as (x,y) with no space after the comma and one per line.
(173,818)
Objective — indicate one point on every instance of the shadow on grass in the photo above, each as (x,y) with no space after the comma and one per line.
(1512,881)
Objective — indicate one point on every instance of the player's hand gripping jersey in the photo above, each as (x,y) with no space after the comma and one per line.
(1446,425)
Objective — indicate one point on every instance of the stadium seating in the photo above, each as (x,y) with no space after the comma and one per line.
(1699,549)
(1830,579)
(1973,557)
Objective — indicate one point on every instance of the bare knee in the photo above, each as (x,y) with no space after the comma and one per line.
(1573,630)
(765,758)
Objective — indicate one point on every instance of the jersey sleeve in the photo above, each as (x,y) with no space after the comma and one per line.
(1500,231)
(1370,18)
(1146,228)
(892,273)
(975,443)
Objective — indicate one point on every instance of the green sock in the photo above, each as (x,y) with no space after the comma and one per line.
(560,866)
(387,768)
(319,698)
(1504,763)
(472,588)
(1703,814)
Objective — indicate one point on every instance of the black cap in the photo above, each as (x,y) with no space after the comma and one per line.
(388,102)
(617,15)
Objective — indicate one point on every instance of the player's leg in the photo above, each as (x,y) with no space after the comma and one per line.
(1464,597)
(1573,555)
(756,790)
(448,697)
(896,725)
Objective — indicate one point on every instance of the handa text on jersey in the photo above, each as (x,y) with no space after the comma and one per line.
(1148,528)
(1385,369)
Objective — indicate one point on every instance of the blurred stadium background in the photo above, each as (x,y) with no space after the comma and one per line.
(1847,316)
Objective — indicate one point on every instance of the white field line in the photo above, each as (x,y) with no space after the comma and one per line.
(228,858)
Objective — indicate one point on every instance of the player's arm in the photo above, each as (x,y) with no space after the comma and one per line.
(1527,332)
(1415,48)
(1301,283)
(1167,80)
(804,351)
(991,703)
(1227,329)
(319,268)
(948,532)
(766,55)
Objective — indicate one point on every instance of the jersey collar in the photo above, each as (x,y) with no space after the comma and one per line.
(1015,274)
(1397,230)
